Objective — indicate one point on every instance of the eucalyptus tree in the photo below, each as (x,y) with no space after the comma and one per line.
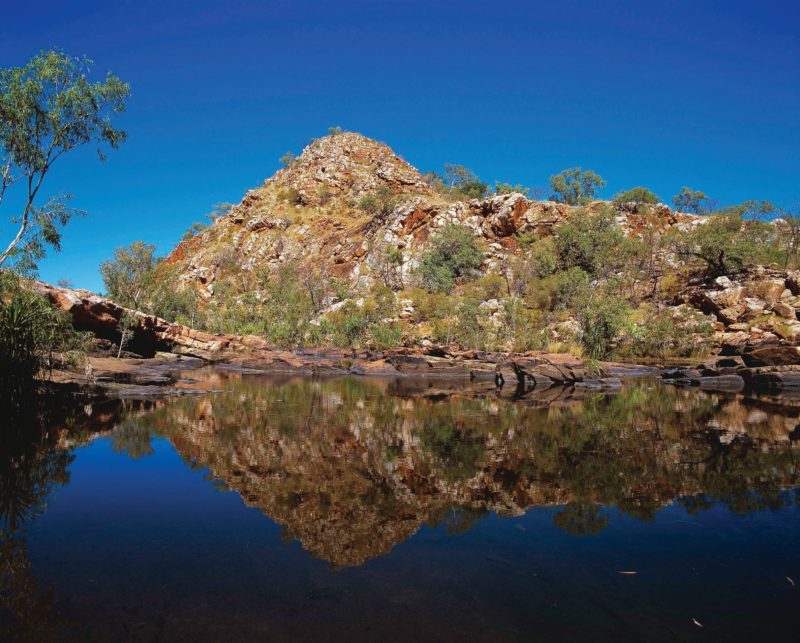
(49,107)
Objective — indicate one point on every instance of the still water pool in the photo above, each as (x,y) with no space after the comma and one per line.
(356,509)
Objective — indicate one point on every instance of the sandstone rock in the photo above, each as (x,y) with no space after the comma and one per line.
(773,355)
(784,310)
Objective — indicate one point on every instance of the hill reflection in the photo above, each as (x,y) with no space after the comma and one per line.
(352,467)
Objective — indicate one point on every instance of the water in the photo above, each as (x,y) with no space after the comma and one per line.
(354,509)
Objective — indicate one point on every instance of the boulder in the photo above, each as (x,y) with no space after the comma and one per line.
(772,355)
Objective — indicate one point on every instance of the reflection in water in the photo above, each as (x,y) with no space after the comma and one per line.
(352,467)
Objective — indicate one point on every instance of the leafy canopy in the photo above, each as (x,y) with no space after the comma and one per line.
(126,275)
(638,196)
(575,186)
(453,255)
(689,200)
(47,108)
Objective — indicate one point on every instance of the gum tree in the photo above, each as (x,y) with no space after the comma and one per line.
(49,107)
(576,186)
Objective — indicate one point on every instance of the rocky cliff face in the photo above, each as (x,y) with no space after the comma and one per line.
(308,213)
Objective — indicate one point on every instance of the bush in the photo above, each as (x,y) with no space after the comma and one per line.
(31,332)
(638,196)
(457,182)
(659,335)
(690,200)
(601,317)
(508,188)
(593,242)
(382,202)
(386,335)
(453,255)
(724,243)
(575,186)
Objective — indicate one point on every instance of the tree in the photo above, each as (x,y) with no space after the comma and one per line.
(508,188)
(593,242)
(458,181)
(219,210)
(287,159)
(638,196)
(790,235)
(453,255)
(723,243)
(48,107)
(689,200)
(575,186)
(125,276)
(126,279)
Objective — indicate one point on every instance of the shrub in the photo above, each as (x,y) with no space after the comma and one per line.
(193,231)
(491,286)
(543,256)
(724,243)
(601,317)
(575,186)
(31,332)
(593,242)
(386,335)
(689,200)
(508,188)
(290,195)
(382,202)
(335,131)
(287,159)
(324,194)
(659,335)
(638,196)
(453,255)
(458,182)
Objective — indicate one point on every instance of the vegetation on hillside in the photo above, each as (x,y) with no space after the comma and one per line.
(48,107)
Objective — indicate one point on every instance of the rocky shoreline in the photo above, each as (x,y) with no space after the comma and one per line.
(168,349)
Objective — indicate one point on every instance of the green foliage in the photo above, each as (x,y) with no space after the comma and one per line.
(601,317)
(288,308)
(452,255)
(335,131)
(219,210)
(287,159)
(381,203)
(575,186)
(457,182)
(324,194)
(689,200)
(753,209)
(48,107)
(31,332)
(290,195)
(593,242)
(543,256)
(386,335)
(508,188)
(638,196)
(724,243)
(659,335)
(126,275)
(193,230)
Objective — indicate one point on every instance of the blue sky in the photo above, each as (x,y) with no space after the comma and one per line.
(662,94)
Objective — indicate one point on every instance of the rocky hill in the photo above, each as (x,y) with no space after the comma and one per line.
(348,203)
(309,213)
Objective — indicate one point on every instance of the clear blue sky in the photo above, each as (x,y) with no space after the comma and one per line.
(659,94)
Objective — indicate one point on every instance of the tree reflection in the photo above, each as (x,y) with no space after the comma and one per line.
(31,466)
(352,467)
